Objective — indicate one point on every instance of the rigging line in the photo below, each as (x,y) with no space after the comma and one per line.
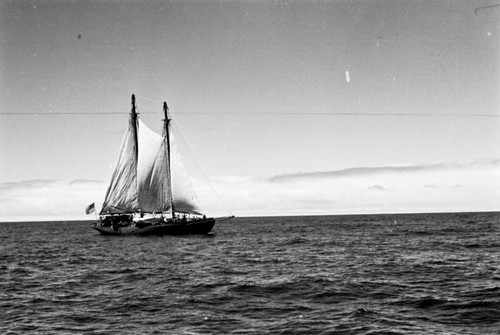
(87,113)
(197,163)
(339,114)
(148,99)
(67,113)
(263,113)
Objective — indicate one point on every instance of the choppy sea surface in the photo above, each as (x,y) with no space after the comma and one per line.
(373,274)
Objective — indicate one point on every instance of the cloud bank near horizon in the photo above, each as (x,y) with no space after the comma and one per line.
(473,186)
(407,169)
(40,200)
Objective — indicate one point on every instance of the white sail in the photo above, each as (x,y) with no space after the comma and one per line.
(143,175)
(185,200)
(121,196)
(152,171)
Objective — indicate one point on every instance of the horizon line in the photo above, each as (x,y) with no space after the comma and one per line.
(294,215)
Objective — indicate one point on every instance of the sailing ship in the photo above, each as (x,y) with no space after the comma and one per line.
(150,192)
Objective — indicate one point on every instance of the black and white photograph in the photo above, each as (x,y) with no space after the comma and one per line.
(250,167)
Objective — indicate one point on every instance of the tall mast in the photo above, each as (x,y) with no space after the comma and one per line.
(133,120)
(166,124)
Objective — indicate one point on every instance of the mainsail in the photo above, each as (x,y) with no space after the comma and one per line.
(121,196)
(149,175)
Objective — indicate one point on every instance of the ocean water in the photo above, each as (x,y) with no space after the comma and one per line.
(375,274)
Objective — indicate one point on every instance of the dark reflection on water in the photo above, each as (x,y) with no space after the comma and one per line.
(378,274)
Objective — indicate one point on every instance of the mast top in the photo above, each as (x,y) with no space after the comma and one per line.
(165,110)
(133,111)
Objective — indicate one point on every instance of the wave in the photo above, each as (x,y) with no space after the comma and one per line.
(293,241)
(387,274)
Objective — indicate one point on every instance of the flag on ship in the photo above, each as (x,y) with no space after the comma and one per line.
(90,208)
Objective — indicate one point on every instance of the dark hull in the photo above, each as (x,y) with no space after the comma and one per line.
(201,227)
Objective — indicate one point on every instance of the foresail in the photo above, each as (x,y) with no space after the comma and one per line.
(152,171)
(121,196)
(185,200)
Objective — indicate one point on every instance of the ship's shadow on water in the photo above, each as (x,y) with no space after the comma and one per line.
(380,274)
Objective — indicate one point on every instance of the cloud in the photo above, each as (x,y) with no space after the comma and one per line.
(440,187)
(398,169)
(26,185)
(376,188)
(472,186)
(40,200)
(85,183)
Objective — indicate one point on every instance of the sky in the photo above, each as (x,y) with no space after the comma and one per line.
(284,107)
